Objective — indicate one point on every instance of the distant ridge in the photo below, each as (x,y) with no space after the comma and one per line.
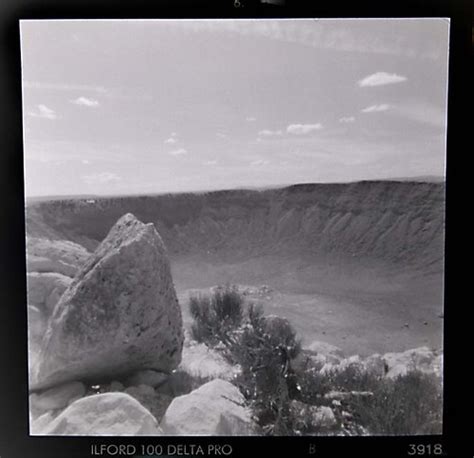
(415,179)
(421,178)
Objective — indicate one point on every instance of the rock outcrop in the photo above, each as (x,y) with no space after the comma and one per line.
(421,359)
(390,365)
(119,315)
(60,256)
(214,409)
(110,414)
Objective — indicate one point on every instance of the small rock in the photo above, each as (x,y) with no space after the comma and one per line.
(324,417)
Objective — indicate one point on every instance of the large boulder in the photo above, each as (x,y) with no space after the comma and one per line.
(214,409)
(60,256)
(119,315)
(45,289)
(110,414)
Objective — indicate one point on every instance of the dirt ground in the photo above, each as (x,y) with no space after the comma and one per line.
(361,308)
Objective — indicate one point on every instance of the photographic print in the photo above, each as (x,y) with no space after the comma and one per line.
(235,227)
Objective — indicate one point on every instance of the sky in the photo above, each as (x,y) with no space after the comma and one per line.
(134,107)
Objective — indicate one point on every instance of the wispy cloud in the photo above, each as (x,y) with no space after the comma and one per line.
(250,119)
(347,119)
(42,111)
(270,133)
(170,141)
(381,79)
(213,162)
(101,178)
(178,152)
(86,102)
(376,108)
(329,34)
(302,129)
(221,135)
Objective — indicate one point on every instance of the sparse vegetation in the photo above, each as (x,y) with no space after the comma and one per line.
(217,315)
(284,400)
(410,404)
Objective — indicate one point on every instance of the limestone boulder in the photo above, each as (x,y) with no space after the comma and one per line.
(60,256)
(199,360)
(217,408)
(119,315)
(326,352)
(109,414)
(421,359)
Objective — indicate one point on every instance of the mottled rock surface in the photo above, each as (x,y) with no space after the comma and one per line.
(114,414)
(119,315)
(214,409)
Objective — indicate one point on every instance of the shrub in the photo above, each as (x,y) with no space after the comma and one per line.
(264,346)
(216,316)
(410,404)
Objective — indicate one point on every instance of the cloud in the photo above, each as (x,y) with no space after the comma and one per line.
(170,141)
(85,102)
(258,163)
(101,178)
(376,108)
(221,135)
(302,129)
(214,162)
(347,119)
(42,111)
(250,119)
(86,161)
(178,152)
(366,36)
(269,133)
(381,79)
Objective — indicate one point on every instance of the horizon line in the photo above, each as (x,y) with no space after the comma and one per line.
(417,178)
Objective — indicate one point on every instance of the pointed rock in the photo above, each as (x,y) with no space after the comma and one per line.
(119,315)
